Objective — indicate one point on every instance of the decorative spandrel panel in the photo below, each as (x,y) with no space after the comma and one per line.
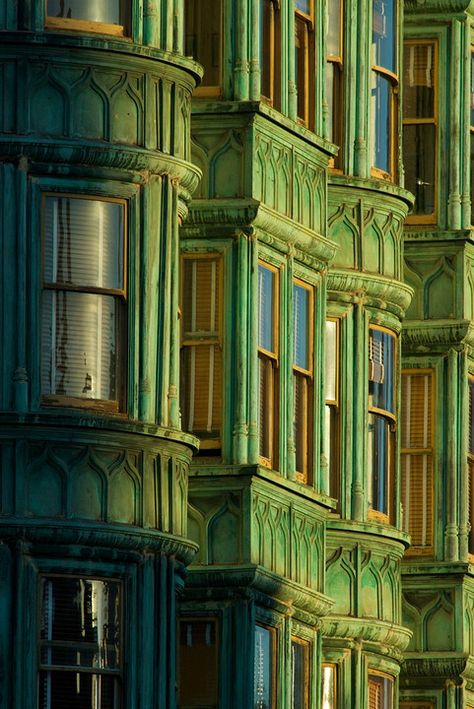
(436,277)
(430,615)
(215,523)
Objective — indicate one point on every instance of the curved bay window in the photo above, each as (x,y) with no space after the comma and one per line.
(270,53)
(380,691)
(83,313)
(303,309)
(80,655)
(419,127)
(384,87)
(104,16)
(267,363)
(334,75)
(201,347)
(203,42)
(305,60)
(381,422)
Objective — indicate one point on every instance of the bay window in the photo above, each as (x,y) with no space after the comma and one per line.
(270,52)
(80,646)
(331,410)
(380,691)
(201,347)
(383,88)
(264,667)
(334,74)
(268,289)
(198,663)
(419,127)
(83,304)
(203,42)
(416,430)
(305,60)
(104,16)
(303,377)
(381,422)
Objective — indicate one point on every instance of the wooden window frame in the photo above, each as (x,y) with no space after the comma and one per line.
(470,472)
(273,33)
(210,443)
(334,411)
(295,640)
(383,676)
(307,376)
(89,26)
(337,85)
(272,359)
(273,632)
(307,22)
(334,666)
(427,218)
(390,418)
(213,90)
(198,619)
(42,667)
(113,406)
(430,450)
(393,80)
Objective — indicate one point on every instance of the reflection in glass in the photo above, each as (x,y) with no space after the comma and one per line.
(266,287)
(381,370)
(203,37)
(381,99)
(263,668)
(303,6)
(329,687)
(380,691)
(378,462)
(383,34)
(302,66)
(418,81)
(419,161)
(333,29)
(107,11)
(331,359)
(301,314)
(299,674)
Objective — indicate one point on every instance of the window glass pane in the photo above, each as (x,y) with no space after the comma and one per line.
(80,623)
(384,35)
(78,690)
(333,30)
(378,462)
(83,242)
(303,6)
(79,334)
(203,37)
(301,316)
(471,416)
(302,66)
(472,88)
(303,422)
(380,692)
(107,11)
(266,405)
(200,298)
(201,402)
(263,668)
(419,161)
(329,687)
(331,360)
(381,370)
(266,304)
(198,664)
(267,39)
(418,81)
(381,112)
(472,177)
(299,675)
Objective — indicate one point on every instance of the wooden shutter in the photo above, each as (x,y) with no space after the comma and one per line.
(201,386)
(375,695)
(417,458)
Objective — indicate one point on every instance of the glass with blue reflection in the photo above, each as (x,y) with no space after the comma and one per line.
(301,315)
(262,668)
(266,295)
(384,35)
(381,95)
(382,365)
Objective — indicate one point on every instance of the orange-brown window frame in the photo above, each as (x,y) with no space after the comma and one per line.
(269,360)
(305,377)
(304,75)
(336,86)
(332,440)
(206,90)
(270,52)
(306,645)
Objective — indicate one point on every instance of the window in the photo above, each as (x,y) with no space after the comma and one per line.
(329,687)
(304,60)
(104,16)
(83,313)
(80,651)
(201,352)
(198,663)
(270,53)
(331,431)
(419,127)
(203,42)
(299,673)
(334,75)
(380,691)
(264,668)
(381,444)
(384,87)
(470,464)
(268,363)
(303,377)
(417,458)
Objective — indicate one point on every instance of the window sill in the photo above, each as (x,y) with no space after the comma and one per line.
(85,26)
(93,405)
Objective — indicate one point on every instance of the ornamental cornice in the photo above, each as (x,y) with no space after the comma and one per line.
(424,335)
(443,665)
(370,188)
(437,6)
(370,289)
(269,226)
(396,637)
